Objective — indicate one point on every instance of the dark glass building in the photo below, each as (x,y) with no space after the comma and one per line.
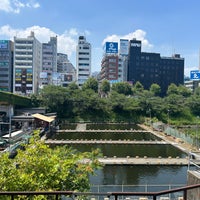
(6,65)
(149,68)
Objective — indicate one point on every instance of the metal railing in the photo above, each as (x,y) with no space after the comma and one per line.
(107,195)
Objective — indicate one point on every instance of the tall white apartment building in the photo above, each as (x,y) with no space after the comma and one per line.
(27,65)
(83,60)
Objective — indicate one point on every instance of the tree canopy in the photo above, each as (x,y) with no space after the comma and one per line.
(41,168)
(122,103)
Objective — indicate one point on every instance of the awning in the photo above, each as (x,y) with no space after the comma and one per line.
(43,117)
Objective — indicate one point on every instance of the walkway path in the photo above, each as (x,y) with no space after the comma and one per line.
(142,161)
(82,127)
(80,141)
(185,147)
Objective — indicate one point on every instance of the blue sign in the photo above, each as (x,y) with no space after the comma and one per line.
(111,47)
(195,75)
(3,44)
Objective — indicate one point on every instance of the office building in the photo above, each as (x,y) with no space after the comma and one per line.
(61,60)
(6,65)
(149,68)
(49,61)
(110,62)
(123,61)
(83,60)
(27,65)
(109,67)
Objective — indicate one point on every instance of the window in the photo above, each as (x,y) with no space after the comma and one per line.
(84,59)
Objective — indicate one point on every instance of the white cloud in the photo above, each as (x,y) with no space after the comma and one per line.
(15,6)
(66,42)
(138,34)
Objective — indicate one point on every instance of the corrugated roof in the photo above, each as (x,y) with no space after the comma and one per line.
(43,117)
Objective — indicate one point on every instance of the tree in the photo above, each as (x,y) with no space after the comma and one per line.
(54,97)
(41,168)
(105,87)
(197,91)
(184,91)
(138,87)
(122,88)
(72,86)
(91,83)
(172,89)
(155,89)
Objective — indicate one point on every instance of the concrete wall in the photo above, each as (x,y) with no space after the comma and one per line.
(193,178)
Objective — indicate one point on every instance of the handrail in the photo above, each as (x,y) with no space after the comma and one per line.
(108,194)
(155,194)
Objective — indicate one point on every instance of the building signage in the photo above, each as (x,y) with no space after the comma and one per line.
(43,75)
(135,44)
(123,47)
(195,75)
(3,44)
(111,47)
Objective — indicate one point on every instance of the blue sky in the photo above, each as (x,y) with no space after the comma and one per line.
(165,27)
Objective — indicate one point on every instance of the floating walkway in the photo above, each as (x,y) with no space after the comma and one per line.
(63,142)
(142,161)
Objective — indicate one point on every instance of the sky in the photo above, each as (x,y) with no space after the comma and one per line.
(165,27)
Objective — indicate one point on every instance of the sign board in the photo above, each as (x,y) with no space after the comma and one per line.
(114,81)
(135,44)
(111,47)
(43,75)
(3,44)
(123,47)
(195,75)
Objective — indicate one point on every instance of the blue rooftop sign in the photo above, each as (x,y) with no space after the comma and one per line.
(111,47)
(195,75)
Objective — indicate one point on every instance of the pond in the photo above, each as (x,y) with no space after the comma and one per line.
(105,136)
(110,177)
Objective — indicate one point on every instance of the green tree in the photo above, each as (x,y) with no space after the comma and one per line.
(138,87)
(122,88)
(155,89)
(41,168)
(91,83)
(87,105)
(197,91)
(73,86)
(172,89)
(54,97)
(184,91)
(105,87)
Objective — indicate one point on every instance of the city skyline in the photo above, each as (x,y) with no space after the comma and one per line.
(165,27)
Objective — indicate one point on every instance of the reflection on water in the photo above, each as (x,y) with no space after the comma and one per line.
(106,136)
(126,175)
(132,150)
(112,126)
(140,175)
